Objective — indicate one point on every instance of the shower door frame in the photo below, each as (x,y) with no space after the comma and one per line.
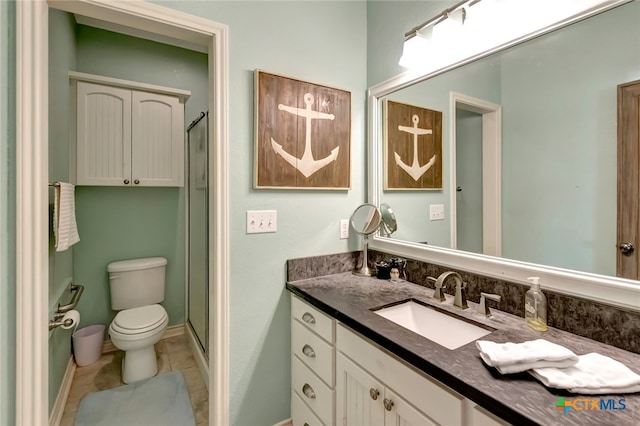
(203,119)
(32,156)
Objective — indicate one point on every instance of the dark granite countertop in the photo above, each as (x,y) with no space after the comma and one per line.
(518,399)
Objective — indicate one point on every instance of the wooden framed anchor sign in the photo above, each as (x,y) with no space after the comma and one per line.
(303,134)
(412,147)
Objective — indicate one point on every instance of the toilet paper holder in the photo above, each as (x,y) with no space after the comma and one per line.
(57,321)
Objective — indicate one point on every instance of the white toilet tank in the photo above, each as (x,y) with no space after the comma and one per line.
(136,282)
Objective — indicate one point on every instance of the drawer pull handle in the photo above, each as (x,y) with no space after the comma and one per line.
(308,391)
(306,424)
(308,351)
(388,404)
(308,318)
(374,393)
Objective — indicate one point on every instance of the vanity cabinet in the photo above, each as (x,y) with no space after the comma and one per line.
(363,400)
(312,365)
(373,387)
(127,133)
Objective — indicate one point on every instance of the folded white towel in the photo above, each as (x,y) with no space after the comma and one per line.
(65,228)
(510,358)
(593,374)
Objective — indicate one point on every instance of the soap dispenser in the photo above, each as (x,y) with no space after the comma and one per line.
(535,306)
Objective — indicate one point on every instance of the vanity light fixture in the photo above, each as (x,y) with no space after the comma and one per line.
(418,46)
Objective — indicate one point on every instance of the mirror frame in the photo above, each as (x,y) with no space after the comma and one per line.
(614,291)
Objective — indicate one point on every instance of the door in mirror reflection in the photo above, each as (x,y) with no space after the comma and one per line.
(476,211)
(628,181)
(468,181)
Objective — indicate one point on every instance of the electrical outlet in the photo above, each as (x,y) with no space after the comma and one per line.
(261,221)
(436,212)
(344,229)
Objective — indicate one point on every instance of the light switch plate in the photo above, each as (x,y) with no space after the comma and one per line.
(261,221)
(344,229)
(436,212)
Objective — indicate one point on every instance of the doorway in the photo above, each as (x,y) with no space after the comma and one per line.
(32,186)
(481,206)
(628,228)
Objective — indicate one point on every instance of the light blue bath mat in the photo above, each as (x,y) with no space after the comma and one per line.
(160,400)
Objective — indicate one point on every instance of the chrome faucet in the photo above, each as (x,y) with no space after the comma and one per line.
(438,294)
(459,300)
(482,306)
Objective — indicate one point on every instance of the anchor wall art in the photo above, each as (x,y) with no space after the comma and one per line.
(412,148)
(303,134)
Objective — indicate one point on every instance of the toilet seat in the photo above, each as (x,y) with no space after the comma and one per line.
(139,320)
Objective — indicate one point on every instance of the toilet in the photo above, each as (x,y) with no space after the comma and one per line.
(137,288)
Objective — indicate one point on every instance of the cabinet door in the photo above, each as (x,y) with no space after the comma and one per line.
(103,132)
(398,412)
(157,131)
(359,397)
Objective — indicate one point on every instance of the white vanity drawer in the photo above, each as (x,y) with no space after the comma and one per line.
(428,395)
(313,319)
(313,391)
(313,351)
(301,415)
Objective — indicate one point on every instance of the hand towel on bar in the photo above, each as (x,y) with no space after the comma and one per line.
(593,374)
(65,228)
(510,358)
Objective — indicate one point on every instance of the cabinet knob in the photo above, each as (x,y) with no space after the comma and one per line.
(136,181)
(374,393)
(388,404)
(308,351)
(308,391)
(308,318)
(126,181)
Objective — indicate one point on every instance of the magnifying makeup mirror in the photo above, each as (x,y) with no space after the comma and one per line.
(389,223)
(365,220)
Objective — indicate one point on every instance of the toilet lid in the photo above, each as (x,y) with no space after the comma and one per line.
(139,320)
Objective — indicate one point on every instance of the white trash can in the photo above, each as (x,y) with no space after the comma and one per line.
(87,344)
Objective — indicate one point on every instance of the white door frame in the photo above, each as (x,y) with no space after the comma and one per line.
(491,169)
(32,157)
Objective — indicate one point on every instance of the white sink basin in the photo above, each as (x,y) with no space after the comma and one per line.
(443,329)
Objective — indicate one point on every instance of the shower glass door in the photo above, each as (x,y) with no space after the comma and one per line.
(198,258)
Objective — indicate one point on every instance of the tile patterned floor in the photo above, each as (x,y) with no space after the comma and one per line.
(173,354)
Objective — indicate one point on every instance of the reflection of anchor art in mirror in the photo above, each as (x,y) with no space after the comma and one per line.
(413,147)
(303,134)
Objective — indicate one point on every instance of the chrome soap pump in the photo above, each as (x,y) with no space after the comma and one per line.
(535,306)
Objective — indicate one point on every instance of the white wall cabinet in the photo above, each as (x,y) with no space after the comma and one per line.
(128,134)
(312,365)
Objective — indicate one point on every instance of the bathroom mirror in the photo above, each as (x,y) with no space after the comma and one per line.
(389,224)
(365,220)
(557,93)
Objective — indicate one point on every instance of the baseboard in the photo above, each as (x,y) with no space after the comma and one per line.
(198,355)
(173,331)
(287,422)
(63,393)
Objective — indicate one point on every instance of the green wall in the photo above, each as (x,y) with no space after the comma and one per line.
(323,42)
(124,223)
(62,58)
(7,214)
